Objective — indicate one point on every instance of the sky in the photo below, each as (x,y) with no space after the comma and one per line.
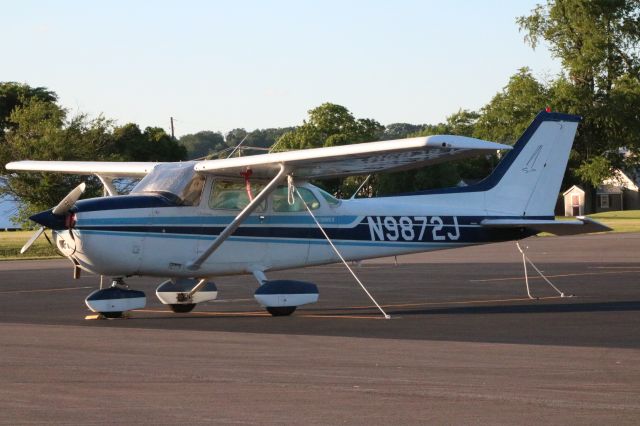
(220,65)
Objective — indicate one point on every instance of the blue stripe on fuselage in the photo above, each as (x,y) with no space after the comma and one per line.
(217,220)
(401,229)
(424,244)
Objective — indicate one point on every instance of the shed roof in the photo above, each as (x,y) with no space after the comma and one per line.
(574,188)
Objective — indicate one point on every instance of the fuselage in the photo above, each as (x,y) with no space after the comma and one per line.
(147,234)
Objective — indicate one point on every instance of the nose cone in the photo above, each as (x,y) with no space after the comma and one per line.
(49,220)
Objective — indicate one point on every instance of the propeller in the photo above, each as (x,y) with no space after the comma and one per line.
(54,218)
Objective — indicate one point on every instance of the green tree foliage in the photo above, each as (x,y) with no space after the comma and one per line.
(259,138)
(597,42)
(461,123)
(595,170)
(42,132)
(37,128)
(330,125)
(154,144)
(511,110)
(13,95)
(202,144)
(401,130)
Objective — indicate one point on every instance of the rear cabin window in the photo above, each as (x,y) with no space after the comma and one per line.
(280,202)
(231,195)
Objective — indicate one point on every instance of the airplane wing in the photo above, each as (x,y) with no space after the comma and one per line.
(356,159)
(345,160)
(102,168)
(582,225)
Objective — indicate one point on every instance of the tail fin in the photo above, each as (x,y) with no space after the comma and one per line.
(527,180)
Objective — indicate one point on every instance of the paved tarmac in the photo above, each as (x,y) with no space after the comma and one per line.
(464,345)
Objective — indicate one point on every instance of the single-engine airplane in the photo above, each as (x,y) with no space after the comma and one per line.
(194,220)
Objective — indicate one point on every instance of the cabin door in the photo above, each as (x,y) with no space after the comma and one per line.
(246,247)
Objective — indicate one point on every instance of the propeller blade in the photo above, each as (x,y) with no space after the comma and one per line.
(67,202)
(32,240)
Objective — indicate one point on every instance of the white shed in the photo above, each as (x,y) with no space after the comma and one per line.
(573,201)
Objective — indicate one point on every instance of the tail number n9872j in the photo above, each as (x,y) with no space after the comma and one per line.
(412,228)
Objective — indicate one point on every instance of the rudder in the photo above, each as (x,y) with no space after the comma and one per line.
(527,181)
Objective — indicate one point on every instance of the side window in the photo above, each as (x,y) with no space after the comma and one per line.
(230,195)
(281,204)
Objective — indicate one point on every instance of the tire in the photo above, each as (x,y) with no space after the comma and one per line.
(182,308)
(111,315)
(281,311)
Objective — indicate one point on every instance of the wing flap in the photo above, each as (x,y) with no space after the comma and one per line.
(356,159)
(102,168)
(581,225)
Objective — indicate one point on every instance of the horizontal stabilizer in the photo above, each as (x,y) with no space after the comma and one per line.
(581,225)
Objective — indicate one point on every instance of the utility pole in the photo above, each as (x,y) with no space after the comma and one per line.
(172,133)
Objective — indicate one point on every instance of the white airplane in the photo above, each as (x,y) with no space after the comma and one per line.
(191,221)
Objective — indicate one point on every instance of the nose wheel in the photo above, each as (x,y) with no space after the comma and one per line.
(114,301)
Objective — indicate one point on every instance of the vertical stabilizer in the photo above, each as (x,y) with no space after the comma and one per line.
(527,181)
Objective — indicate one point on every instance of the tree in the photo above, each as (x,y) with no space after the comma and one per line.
(37,128)
(331,125)
(400,130)
(154,144)
(461,123)
(13,95)
(41,131)
(597,42)
(511,110)
(260,138)
(202,144)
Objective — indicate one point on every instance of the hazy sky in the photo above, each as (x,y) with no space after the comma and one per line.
(218,65)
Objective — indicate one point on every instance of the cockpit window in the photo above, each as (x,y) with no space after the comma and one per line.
(281,202)
(177,181)
(232,195)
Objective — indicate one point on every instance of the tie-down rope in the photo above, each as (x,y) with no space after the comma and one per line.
(526,260)
(292,189)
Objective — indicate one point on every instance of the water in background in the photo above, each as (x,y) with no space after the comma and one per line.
(7,209)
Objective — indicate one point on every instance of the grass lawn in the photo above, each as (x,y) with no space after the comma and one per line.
(12,242)
(622,221)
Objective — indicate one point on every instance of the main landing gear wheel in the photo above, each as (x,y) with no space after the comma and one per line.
(281,311)
(182,308)
(112,315)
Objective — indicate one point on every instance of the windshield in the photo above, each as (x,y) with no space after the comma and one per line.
(178,180)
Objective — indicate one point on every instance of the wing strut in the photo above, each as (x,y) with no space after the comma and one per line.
(230,229)
(107,184)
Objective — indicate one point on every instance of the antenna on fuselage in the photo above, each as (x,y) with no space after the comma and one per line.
(238,146)
(360,187)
